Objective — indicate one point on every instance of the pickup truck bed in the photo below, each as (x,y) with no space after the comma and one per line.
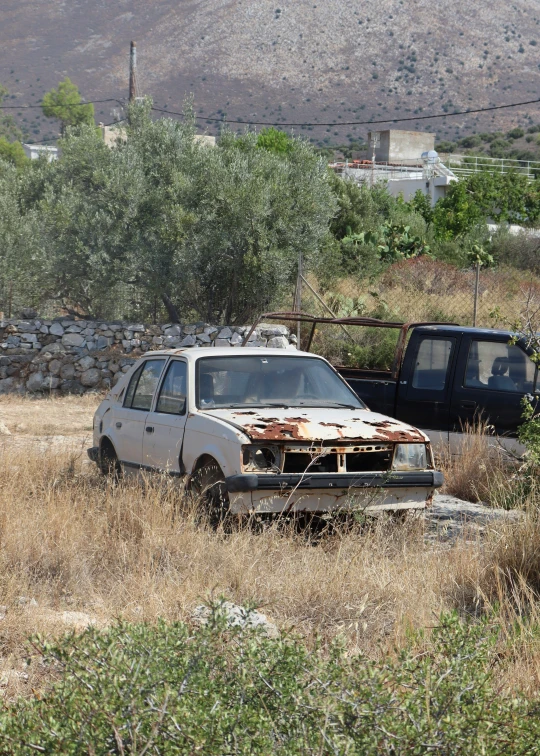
(377,388)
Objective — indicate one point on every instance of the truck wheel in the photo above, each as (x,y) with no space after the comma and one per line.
(109,464)
(209,483)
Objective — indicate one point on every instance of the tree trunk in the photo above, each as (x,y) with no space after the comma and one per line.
(171,309)
(231,301)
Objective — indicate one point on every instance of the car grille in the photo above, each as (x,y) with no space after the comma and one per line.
(354,458)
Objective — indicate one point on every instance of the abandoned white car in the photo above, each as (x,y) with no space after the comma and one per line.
(261,430)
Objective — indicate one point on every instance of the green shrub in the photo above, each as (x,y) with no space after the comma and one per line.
(470,141)
(138,689)
(445,146)
(377,350)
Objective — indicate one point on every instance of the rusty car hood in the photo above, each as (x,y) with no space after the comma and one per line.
(317,424)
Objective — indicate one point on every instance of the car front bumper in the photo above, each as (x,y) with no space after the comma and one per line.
(369,492)
(348,481)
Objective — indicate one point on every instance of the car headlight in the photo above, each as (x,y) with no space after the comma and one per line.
(261,458)
(410,457)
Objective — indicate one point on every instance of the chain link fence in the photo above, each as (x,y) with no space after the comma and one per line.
(416,290)
(423,289)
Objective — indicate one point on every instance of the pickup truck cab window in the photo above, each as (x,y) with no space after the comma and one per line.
(431,367)
(270,380)
(497,366)
(172,395)
(143,385)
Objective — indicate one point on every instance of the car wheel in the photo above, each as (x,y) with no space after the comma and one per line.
(208,482)
(109,464)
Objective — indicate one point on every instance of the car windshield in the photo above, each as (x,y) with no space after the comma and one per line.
(270,381)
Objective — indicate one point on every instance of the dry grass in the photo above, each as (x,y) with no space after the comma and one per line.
(74,542)
(423,289)
(43,416)
(483,471)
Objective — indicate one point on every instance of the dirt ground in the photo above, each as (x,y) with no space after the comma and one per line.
(43,423)
(49,416)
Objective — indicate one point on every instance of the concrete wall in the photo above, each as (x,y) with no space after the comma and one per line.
(396,145)
(111,134)
(435,188)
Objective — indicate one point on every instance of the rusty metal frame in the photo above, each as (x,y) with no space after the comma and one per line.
(303,317)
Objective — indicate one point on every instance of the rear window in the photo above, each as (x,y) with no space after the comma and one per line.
(431,365)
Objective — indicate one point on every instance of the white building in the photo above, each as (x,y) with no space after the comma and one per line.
(111,135)
(395,145)
(428,175)
(405,161)
(35,151)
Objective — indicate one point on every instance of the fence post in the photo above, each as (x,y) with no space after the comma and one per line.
(298,295)
(476,286)
(10,299)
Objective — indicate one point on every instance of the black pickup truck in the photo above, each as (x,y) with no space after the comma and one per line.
(443,376)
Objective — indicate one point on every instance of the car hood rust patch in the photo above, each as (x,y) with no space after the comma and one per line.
(317,424)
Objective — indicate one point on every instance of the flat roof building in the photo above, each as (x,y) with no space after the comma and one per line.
(35,151)
(395,145)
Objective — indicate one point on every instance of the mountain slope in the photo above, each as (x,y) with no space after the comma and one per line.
(283,60)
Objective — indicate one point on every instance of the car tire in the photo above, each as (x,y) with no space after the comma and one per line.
(208,482)
(109,464)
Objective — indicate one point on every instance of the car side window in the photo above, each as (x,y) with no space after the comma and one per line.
(497,366)
(172,396)
(132,386)
(143,385)
(431,365)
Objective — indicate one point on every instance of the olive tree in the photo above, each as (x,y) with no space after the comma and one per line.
(23,282)
(213,233)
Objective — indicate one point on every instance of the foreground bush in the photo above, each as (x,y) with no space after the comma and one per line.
(166,689)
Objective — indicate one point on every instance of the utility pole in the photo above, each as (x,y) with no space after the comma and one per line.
(132,72)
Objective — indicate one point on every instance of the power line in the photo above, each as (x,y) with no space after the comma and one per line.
(54,139)
(40,105)
(247,122)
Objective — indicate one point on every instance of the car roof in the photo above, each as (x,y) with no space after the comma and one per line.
(196,353)
(488,332)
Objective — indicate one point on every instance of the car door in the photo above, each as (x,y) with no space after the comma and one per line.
(424,388)
(165,424)
(492,377)
(128,420)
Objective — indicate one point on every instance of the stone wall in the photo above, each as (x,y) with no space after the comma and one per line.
(73,356)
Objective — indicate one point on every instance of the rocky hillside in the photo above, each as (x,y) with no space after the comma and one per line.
(282,60)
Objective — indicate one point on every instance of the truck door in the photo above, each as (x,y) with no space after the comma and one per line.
(424,388)
(492,378)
